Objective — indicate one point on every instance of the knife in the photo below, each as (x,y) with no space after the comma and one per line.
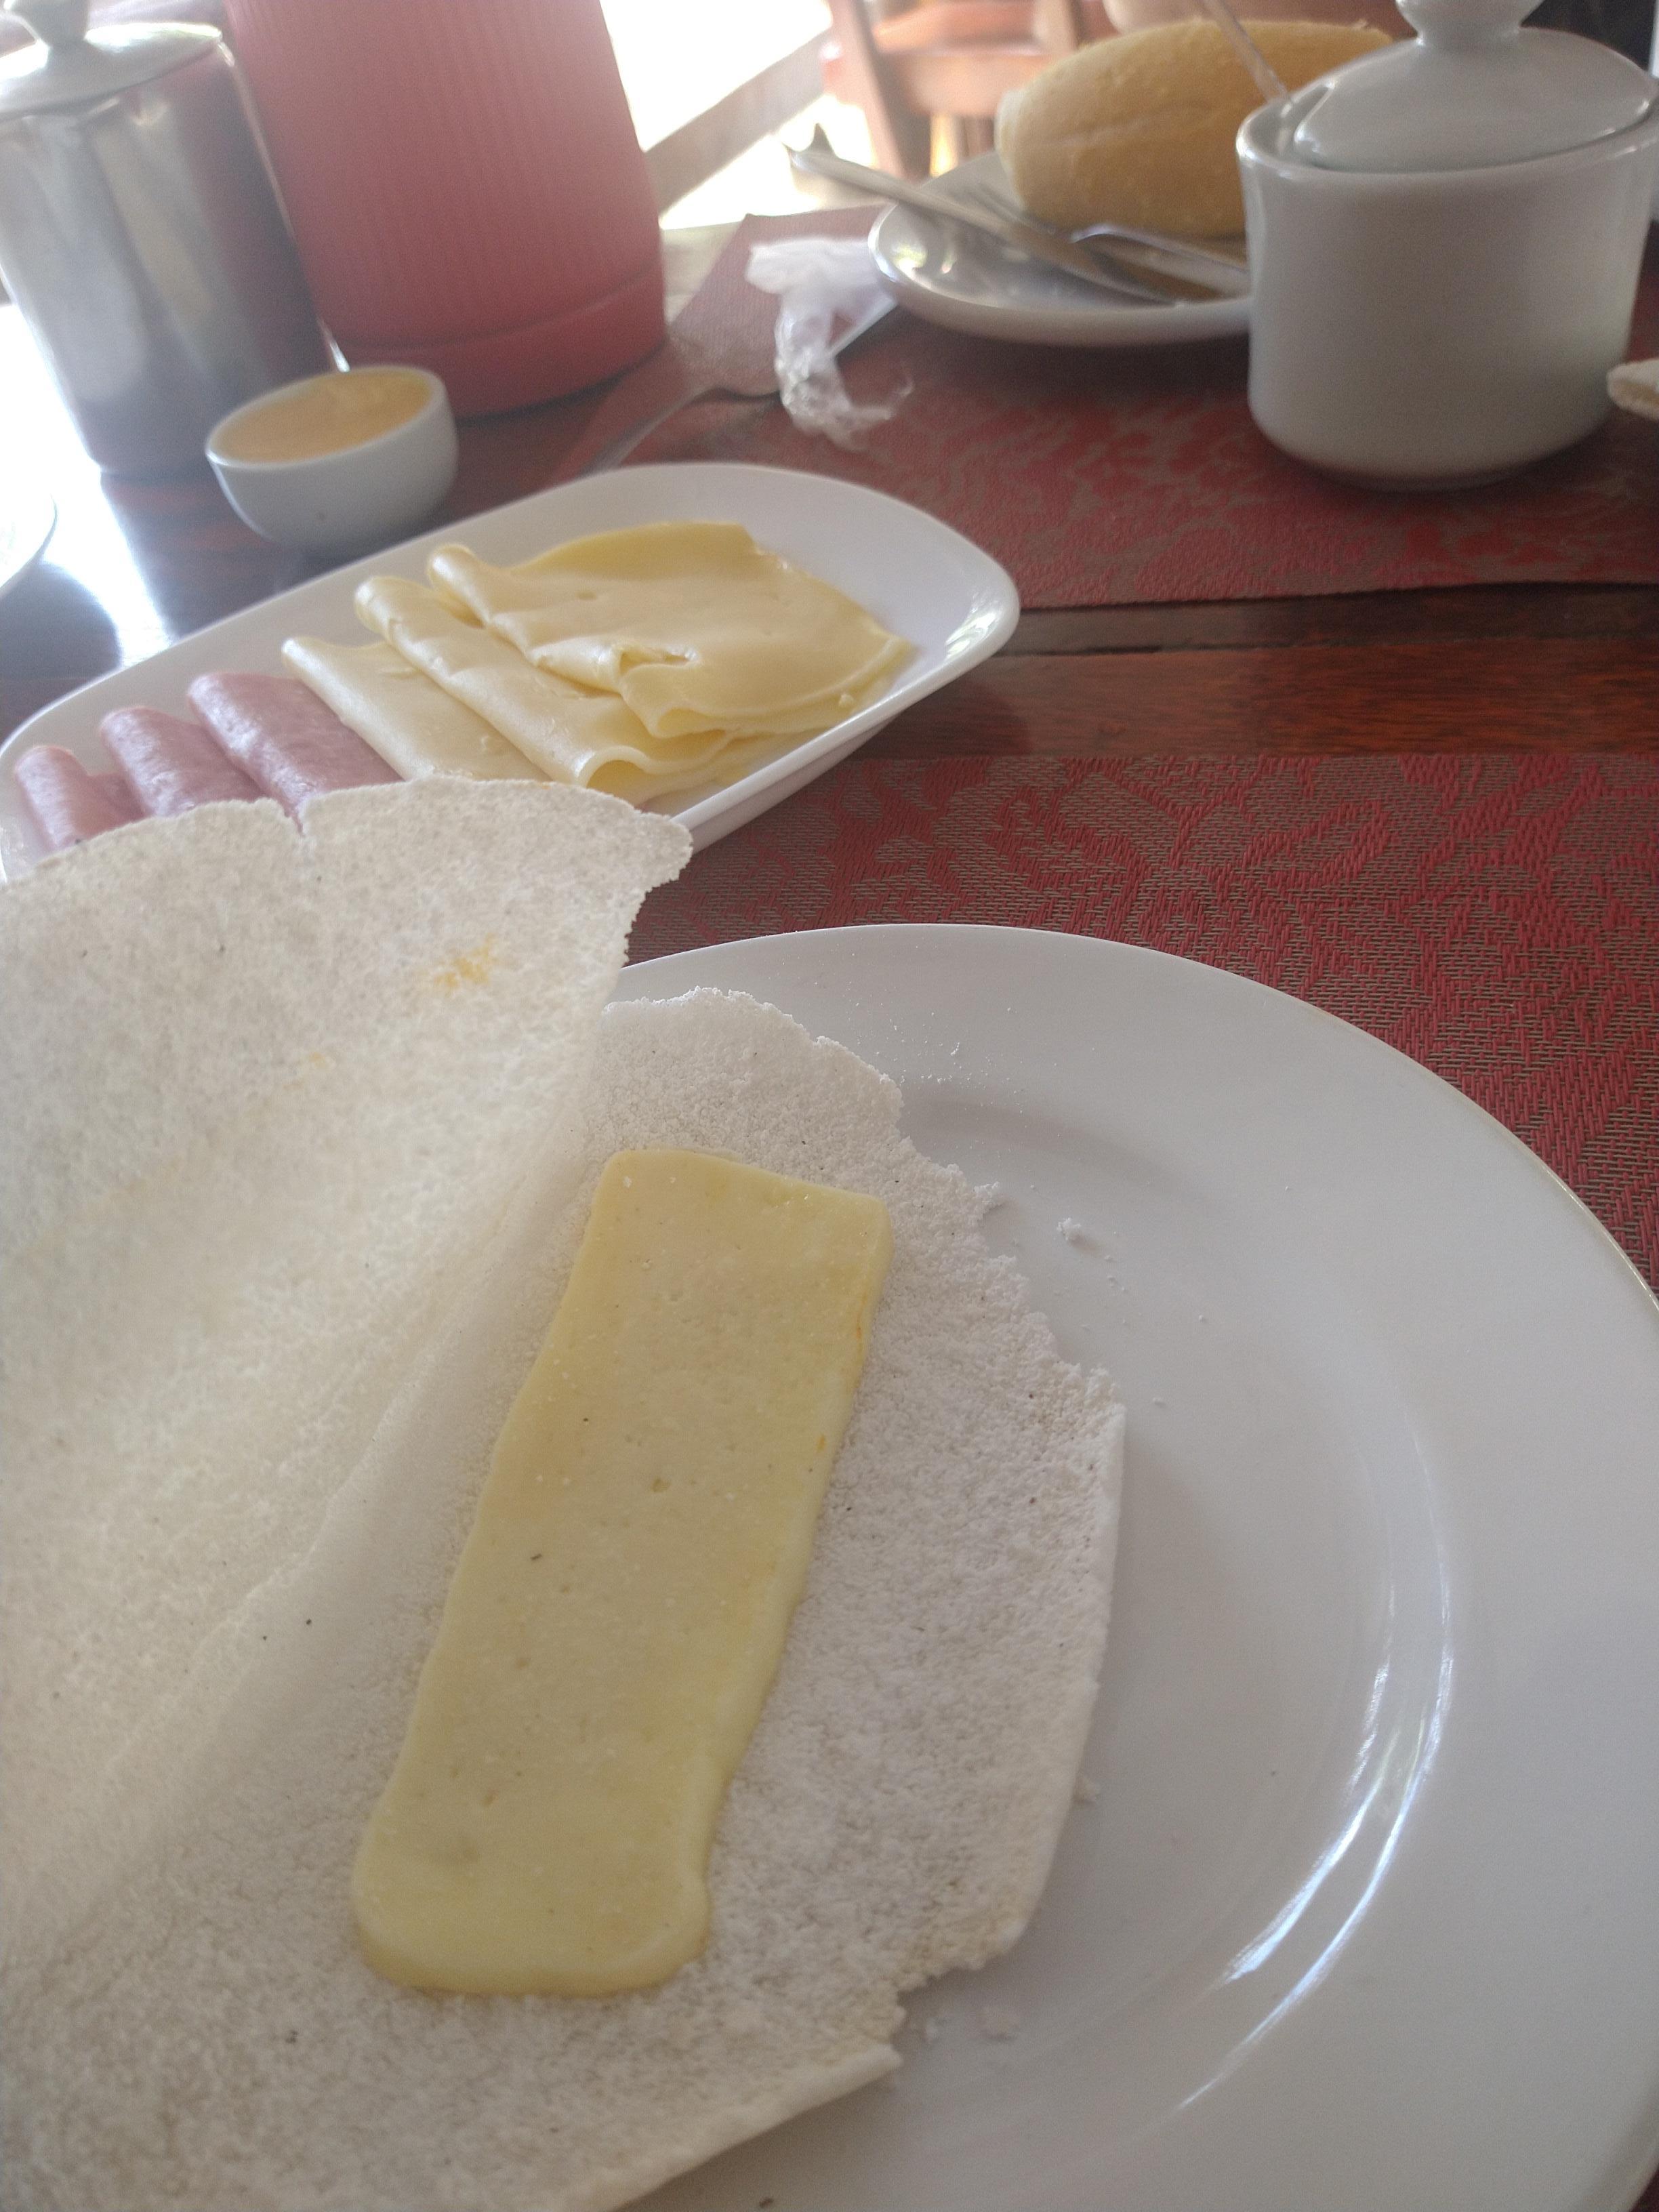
(1037,240)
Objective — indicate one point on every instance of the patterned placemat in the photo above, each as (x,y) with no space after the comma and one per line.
(1116,478)
(1496,917)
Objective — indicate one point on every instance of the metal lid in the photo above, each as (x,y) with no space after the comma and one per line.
(67,68)
(1472,90)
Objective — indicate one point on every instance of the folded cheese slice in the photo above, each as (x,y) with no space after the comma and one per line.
(414,725)
(569,732)
(621,780)
(620,1609)
(691,624)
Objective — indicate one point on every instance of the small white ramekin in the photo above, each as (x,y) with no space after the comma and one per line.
(350,500)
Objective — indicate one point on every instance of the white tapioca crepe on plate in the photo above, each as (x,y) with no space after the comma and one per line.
(304,1124)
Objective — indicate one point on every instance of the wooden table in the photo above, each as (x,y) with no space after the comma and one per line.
(134,566)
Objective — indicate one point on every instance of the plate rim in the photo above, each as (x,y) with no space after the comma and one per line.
(1607,2169)
(1155,956)
(1102,326)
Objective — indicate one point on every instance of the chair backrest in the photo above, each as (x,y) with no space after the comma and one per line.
(907,61)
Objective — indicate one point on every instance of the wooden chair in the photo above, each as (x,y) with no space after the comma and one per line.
(952,58)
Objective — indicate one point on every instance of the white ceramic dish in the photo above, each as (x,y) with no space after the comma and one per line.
(922,580)
(975,283)
(336,503)
(26,529)
(1365,1916)
(1422,330)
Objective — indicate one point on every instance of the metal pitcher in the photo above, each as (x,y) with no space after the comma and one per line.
(140,235)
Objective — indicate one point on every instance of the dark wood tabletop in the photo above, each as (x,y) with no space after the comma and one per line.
(134,566)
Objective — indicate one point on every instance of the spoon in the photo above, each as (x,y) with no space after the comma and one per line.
(1268,81)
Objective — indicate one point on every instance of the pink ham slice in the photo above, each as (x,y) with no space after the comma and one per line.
(170,764)
(69,803)
(284,737)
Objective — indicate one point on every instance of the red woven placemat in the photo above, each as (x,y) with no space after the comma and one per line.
(1496,917)
(1120,478)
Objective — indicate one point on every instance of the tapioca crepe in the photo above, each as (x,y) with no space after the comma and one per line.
(304,1126)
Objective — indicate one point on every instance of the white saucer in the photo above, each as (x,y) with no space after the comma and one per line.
(968,281)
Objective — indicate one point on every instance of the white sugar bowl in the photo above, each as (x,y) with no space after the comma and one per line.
(1444,240)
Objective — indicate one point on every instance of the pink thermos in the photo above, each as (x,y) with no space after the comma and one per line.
(465,186)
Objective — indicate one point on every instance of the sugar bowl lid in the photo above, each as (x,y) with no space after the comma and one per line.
(67,67)
(1472,90)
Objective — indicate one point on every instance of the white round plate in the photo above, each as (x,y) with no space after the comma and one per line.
(27,522)
(1366,1917)
(974,282)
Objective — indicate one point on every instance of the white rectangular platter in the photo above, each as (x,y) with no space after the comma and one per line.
(921,579)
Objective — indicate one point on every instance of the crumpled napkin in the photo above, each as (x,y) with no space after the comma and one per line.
(820,281)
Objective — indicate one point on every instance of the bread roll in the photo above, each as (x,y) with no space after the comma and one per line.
(1139,129)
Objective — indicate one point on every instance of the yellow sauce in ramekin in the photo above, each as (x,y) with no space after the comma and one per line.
(324,414)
